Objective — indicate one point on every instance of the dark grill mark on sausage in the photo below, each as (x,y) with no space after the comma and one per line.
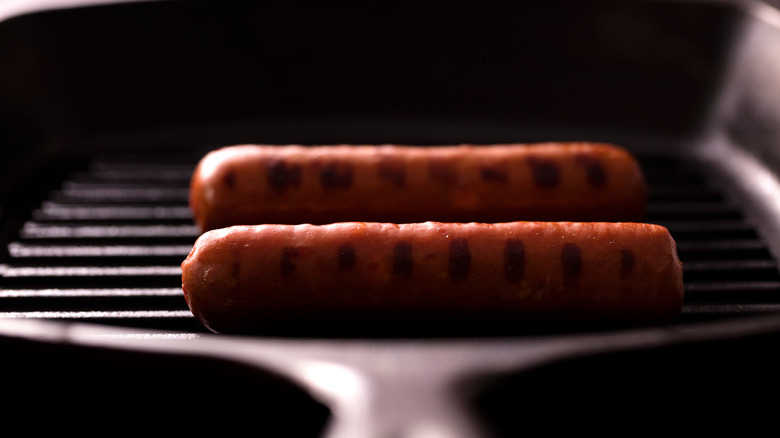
(460,259)
(402,259)
(626,261)
(230,180)
(281,175)
(545,172)
(594,171)
(287,260)
(514,260)
(337,175)
(393,171)
(495,174)
(571,261)
(346,256)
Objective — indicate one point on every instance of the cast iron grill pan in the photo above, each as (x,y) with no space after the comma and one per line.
(104,248)
(106,244)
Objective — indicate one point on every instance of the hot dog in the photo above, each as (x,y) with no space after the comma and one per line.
(237,278)
(256,184)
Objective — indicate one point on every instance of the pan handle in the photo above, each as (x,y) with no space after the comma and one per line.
(373,405)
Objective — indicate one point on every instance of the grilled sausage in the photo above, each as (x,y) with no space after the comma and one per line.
(256,184)
(237,278)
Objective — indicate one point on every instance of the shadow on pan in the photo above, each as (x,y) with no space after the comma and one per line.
(55,388)
(704,387)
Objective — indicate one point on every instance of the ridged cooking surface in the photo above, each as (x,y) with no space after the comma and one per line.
(106,247)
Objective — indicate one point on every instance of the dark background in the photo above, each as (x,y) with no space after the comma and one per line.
(249,70)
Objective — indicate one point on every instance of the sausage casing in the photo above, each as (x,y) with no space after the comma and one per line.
(255,184)
(238,277)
